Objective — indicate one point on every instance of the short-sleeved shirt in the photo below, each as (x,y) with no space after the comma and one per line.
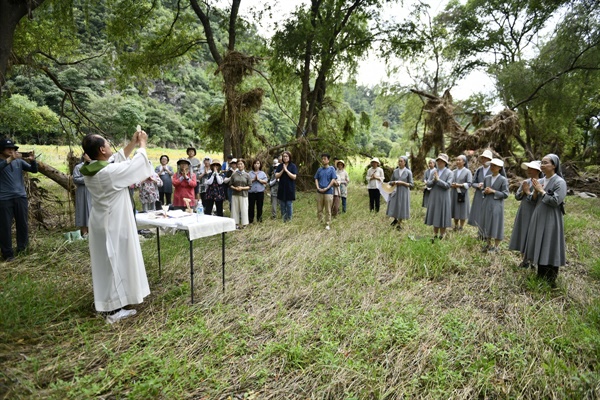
(257,187)
(324,176)
(287,186)
(11,178)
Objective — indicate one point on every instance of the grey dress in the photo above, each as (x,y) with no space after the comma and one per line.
(492,217)
(426,190)
(83,200)
(463,177)
(518,238)
(546,234)
(475,212)
(399,202)
(439,208)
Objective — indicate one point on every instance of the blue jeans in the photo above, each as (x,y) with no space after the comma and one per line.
(286,210)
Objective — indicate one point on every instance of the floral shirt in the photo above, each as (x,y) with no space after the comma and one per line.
(149,189)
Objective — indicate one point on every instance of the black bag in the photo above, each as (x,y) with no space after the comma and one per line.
(461,197)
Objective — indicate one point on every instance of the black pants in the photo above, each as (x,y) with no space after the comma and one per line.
(374,197)
(209,206)
(257,198)
(16,209)
(164,198)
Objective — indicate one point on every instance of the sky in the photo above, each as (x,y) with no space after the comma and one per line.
(372,70)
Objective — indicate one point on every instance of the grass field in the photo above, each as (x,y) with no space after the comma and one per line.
(359,312)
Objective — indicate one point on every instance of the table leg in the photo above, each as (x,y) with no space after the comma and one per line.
(223,258)
(191,266)
(158,245)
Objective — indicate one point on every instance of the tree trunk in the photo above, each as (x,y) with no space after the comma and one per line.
(64,180)
(11,12)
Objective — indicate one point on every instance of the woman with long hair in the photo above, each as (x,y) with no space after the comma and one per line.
(287,173)
(256,194)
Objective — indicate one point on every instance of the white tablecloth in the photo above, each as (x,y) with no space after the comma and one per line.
(198,225)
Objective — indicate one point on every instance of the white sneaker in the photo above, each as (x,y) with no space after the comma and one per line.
(119,315)
(327,227)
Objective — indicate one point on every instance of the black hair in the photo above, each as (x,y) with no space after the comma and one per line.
(191,148)
(325,155)
(91,145)
(164,155)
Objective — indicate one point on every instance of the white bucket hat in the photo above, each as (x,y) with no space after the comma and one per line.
(375,159)
(532,164)
(487,154)
(497,161)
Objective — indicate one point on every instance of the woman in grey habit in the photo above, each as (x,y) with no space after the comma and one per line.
(426,175)
(495,190)
(546,234)
(480,174)
(398,206)
(439,209)
(461,183)
(529,199)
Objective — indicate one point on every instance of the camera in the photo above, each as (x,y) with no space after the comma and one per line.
(26,154)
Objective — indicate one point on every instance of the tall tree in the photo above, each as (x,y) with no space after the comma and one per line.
(11,12)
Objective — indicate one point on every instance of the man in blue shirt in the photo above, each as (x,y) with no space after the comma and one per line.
(325,179)
(13,199)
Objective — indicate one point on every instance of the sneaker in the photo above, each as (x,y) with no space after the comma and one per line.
(119,315)
(327,227)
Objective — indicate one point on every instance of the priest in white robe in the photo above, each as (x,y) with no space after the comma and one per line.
(118,272)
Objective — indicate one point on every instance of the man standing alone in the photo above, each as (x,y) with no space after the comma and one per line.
(13,199)
(325,179)
(118,272)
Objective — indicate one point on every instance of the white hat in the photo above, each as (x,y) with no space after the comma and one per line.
(233,160)
(497,161)
(275,161)
(532,164)
(443,157)
(375,159)
(388,188)
(487,154)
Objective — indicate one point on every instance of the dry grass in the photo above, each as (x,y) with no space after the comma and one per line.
(361,311)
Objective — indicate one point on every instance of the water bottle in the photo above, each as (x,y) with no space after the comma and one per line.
(199,211)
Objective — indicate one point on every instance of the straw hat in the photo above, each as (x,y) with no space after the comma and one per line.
(388,188)
(487,154)
(215,162)
(340,161)
(532,164)
(443,157)
(497,161)
(375,159)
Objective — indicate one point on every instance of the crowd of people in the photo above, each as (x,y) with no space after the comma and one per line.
(105,184)
(538,229)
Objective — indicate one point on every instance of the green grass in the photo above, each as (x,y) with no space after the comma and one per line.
(361,311)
